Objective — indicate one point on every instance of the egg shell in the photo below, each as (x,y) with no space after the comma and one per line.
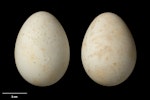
(42,50)
(108,50)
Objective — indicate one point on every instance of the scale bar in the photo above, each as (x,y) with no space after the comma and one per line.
(14,93)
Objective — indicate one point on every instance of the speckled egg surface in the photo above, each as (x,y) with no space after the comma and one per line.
(42,50)
(108,50)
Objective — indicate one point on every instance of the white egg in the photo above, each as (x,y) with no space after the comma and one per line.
(42,50)
(108,50)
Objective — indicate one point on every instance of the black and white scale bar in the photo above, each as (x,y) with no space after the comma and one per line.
(14,93)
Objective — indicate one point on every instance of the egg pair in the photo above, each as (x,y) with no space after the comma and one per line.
(42,50)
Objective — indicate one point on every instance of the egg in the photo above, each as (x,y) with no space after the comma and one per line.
(42,50)
(108,50)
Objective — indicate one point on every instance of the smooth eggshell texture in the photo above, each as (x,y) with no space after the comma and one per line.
(108,50)
(42,50)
